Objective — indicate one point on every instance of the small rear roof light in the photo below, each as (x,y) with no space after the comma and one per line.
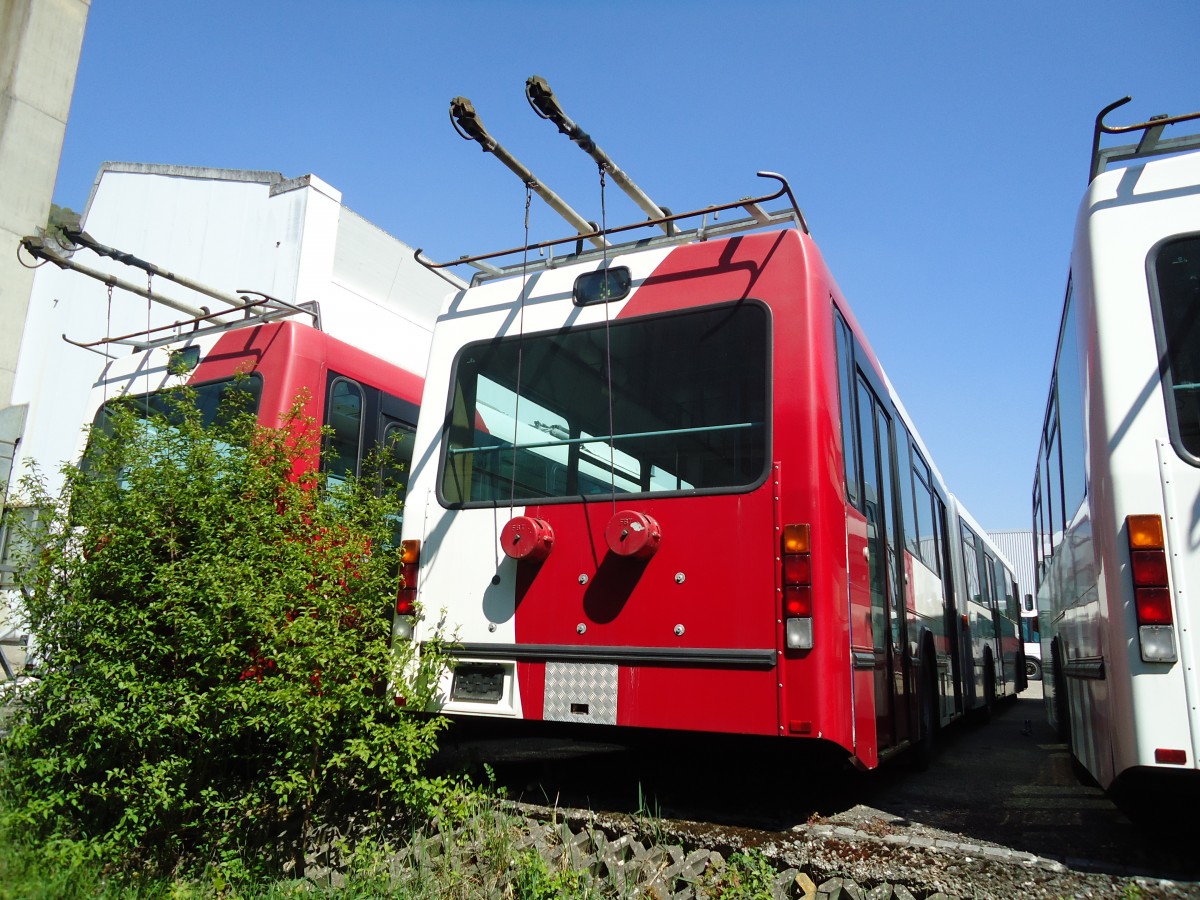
(1145,532)
(410,551)
(602,286)
(183,360)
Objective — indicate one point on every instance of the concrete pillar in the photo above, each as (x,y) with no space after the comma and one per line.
(40,42)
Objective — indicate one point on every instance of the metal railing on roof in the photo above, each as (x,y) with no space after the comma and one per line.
(254,307)
(756,218)
(1150,143)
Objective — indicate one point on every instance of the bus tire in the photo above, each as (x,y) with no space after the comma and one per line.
(1062,703)
(1033,668)
(989,684)
(927,717)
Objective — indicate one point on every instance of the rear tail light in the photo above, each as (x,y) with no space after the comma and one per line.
(1151,588)
(796,565)
(1169,757)
(406,596)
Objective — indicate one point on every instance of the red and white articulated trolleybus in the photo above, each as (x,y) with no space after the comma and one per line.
(667,485)
(363,400)
(262,347)
(256,343)
(994,658)
(1116,490)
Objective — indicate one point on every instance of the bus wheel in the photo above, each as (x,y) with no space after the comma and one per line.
(1062,704)
(927,719)
(1033,668)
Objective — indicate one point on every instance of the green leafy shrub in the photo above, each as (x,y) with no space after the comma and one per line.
(748,875)
(213,626)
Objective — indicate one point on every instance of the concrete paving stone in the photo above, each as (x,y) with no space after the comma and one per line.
(919,840)
(880,892)
(673,875)
(806,886)
(853,890)
(597,840)
(564,832)
(997,852)
(654,856)
(781,887)
(579,859)
(622,847)
(945,845)
(699,860)
(831,889)
(844,831)
(897,839)
(900,892)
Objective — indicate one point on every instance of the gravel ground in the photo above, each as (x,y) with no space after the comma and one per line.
(860,856)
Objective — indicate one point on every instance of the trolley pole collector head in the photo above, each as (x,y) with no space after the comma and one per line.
(469,126)
(546,105)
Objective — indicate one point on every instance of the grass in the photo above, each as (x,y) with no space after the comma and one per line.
(475,858)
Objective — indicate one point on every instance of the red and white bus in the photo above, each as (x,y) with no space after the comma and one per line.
(1116,490)
(364,401)
(666,485)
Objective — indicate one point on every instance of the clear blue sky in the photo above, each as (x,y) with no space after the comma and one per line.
(938,149)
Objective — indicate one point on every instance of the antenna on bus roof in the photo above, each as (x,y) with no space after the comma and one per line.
(1150,144)
(468,125)
(545,104)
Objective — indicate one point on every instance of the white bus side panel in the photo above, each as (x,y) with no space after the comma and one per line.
(1133,707)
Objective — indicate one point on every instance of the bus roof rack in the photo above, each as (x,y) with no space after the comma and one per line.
(256,308)
(1150,144)
(756,218)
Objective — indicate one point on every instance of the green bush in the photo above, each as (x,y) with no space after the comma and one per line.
(213,625)
(749,875)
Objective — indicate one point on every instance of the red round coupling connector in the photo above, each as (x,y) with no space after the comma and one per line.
(631,533)
(525,537)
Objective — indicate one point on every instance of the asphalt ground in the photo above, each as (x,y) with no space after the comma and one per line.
(1008,782)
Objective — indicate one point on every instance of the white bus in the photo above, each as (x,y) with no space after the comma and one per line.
(1116,495)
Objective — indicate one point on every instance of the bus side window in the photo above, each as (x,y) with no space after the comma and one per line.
(344,415)
(907,498)
(926,514)
(970,555)
(989,581)
(398,439)
(845,367)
